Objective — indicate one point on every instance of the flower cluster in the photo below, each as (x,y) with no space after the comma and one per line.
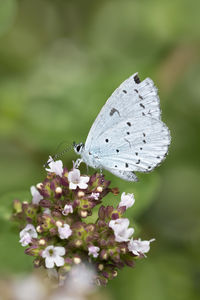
(55,226)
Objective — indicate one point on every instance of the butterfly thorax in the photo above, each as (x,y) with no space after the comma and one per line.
(90,158)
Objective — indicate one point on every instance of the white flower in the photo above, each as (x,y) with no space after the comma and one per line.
(36,195)
(93,251)
(53,256)
(64,232)
(94,196)
(55,166)
(127,200)
(68,209)
(121,230)
(27,234)
(138,247)
(76,180)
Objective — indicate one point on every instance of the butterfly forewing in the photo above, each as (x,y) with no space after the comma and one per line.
(128,134)
(130,99)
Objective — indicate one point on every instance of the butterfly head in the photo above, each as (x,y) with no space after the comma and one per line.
(78,148)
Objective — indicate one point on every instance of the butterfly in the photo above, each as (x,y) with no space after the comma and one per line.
(128,135)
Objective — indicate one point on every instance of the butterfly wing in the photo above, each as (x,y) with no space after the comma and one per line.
(131,99)
(139,147)
(128,134)
(126,175)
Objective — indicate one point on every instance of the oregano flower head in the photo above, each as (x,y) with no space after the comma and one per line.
(55,229)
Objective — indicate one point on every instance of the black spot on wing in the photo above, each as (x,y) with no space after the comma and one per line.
(124,91)
(142,105)
(136,79)
(114,110)
(128,123)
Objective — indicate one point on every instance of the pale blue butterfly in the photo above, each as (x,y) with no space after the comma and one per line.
(128,134)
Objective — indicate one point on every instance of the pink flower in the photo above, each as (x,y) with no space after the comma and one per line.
(75,180)
(55,166)
(138,247)
(53,257)
(36,195)
(127,200)
(64,232)
(27,234)
(121,230)
(93,251)
(94,196)
(68,209)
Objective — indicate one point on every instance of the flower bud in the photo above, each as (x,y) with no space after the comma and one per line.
(78,243)
(104,254)
(39,229)
(84,213)
(77,260)
(81,194)
(99,189)
(100,267)
(42,242)
(17,206)
(39,186)
(59,223)
(58,190)
(37,263)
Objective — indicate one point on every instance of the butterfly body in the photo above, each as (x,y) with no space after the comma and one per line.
(128,134)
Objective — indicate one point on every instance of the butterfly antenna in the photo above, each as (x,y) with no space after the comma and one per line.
(57,155)
(62,152)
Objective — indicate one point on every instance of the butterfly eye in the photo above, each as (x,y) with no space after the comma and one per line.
(78,148)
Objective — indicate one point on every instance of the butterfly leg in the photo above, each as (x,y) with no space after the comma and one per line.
(77,163)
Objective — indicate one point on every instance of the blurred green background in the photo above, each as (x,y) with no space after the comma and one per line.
(59,62)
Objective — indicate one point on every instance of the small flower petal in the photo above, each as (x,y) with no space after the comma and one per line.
(72,186)
(76,180)
(94,196)
(138,247)
(36,195)
(93,251)
(127,200)
(121,231)
(59,261)
(64,232)
(49,262)
(55,166)
(27,234)
(53,257)
(68,209)
(60,251)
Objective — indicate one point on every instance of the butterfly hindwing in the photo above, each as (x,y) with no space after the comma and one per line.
(138,144)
